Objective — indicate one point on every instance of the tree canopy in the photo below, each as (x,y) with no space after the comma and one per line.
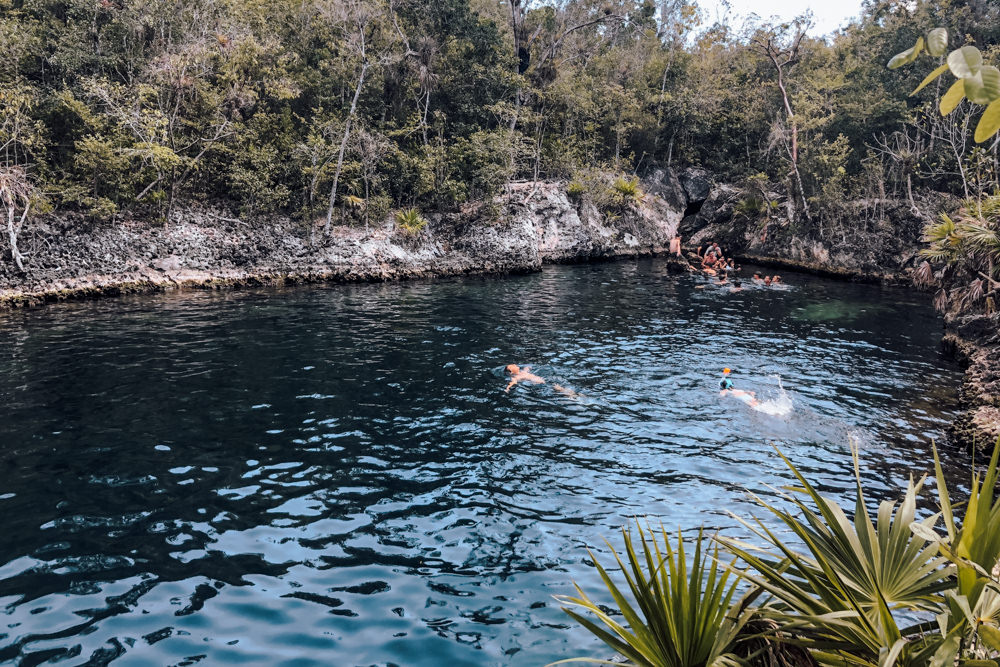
(354,108)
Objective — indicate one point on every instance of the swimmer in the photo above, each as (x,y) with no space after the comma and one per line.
(518,374)
(737,286)
(726,388)
(757,278)
(767,281)
(776,280)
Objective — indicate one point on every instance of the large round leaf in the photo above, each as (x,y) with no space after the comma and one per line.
(951,99)
(984,87)
(965,62)
(937,42)
(989,123)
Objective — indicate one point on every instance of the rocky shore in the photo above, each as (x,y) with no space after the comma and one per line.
(70,258)
(534,223)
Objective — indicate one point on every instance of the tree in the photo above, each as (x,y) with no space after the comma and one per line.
(782,49)
(20,139)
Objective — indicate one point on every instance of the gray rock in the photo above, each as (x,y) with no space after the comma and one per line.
(696,185)
(663,183)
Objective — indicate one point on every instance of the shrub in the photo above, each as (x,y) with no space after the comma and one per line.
(840,582)
(411,221)
(575,190)
(751,207)
(627,189)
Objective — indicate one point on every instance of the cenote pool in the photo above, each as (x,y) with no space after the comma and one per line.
(335,476)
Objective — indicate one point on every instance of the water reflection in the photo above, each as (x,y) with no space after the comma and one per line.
(334,475)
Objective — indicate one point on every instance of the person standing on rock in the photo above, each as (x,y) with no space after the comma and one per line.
(675,245)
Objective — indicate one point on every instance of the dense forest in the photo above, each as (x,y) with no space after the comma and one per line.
(344,110)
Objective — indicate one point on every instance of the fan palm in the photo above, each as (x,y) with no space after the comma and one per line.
(841,594)
(679,614)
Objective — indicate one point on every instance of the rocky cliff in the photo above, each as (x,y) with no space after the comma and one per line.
(69,257)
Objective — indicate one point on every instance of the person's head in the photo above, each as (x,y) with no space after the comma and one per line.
(767,280)
(756,276)
(776,279)
(512,368)
(736,283)
(726,372)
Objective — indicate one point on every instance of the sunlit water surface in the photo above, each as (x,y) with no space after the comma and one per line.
(334,475)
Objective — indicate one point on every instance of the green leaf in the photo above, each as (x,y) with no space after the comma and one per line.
(930,77)
(953,97)
(937,41)
(984,87)
(989,122)
(990,636)
(907,56)
(965,62)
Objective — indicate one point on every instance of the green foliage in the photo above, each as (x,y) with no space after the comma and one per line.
(623,194)
(843,593)
(254,111)
(978,83)
(575,190)
(676,613)
(839,587)
(968,245)
(751,207)
(627,189)
(410,221)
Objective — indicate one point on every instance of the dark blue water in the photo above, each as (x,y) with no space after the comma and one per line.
(335,475)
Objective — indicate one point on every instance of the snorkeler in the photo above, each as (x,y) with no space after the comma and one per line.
(726,387)
(518,374)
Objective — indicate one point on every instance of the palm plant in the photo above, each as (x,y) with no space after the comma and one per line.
(969,247)
(411,221)
(627,189)
(970,624)
(679,615)
(840,597)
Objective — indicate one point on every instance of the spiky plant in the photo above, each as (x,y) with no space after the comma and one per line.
(840,593)
(411,221)
(627,189)
(676,613)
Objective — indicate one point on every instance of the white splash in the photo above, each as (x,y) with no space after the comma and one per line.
(780,406)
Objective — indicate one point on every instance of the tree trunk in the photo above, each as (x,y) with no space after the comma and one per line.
(343,147)
(12,231)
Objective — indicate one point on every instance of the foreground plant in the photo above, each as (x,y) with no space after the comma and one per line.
(677,614)
(838,592)
(841,593)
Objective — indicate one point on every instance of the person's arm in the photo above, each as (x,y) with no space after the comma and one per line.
(509,385)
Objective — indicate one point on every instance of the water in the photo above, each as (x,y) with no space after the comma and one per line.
(335,475)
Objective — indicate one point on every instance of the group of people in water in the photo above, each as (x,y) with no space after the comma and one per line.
(517,374)
(713,263)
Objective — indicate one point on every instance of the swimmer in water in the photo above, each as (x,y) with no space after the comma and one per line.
(726,387)
(518,374)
